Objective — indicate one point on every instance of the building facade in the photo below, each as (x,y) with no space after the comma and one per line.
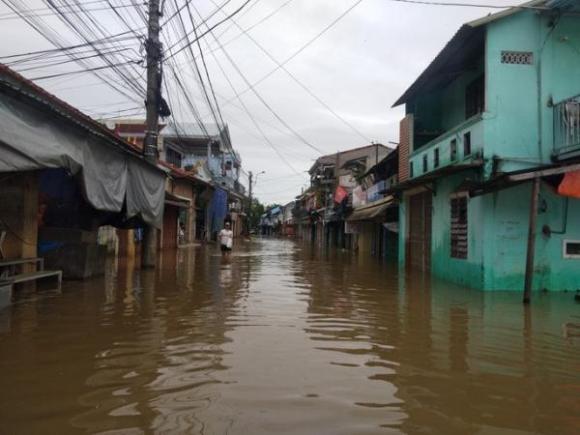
(497,109)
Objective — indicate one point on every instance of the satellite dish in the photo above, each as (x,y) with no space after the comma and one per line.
(110,124)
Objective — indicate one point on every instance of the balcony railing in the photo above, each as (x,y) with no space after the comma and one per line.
(567,125)
(457,145)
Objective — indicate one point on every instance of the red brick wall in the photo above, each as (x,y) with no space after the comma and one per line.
(405,145)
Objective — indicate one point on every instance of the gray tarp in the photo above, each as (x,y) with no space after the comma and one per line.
(30,140)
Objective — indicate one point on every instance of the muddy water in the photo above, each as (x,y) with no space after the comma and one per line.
(284,339)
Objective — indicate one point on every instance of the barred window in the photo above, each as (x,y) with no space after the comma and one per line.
(459,227)
(517,57)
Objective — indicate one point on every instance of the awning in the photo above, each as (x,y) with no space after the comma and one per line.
(372,210)
(32,138)
(176,200)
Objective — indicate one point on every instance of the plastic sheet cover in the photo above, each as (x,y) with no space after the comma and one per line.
(31,140)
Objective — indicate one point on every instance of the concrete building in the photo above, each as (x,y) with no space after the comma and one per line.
(374,219)
(496,109)
(330,196)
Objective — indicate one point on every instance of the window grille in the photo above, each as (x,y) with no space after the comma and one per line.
(571,248)
(459,227)
(425,163)
(436,158)
(517,57)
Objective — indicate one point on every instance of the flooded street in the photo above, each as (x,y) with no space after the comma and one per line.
(281,338)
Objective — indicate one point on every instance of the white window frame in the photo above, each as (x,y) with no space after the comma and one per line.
(566,255)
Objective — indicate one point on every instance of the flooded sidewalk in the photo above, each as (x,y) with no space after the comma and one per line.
(283,338)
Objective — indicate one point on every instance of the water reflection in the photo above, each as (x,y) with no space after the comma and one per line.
(285,338)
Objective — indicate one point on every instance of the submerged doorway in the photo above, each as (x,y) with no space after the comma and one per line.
(419,238)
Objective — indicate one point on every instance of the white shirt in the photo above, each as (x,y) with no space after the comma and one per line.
(226,238)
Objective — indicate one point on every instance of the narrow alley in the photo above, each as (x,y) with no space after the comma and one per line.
(281,337)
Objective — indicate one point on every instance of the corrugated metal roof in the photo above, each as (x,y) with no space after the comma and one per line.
(449,63)
(565,5)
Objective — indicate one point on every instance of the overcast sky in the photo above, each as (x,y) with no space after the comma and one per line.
(358,68)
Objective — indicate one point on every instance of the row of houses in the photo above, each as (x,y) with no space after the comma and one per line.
(483,188)
(72,187)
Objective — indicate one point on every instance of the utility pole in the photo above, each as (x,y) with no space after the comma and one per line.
(529,278)
(153,48)
(251,177)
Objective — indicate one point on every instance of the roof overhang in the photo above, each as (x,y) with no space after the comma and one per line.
(459,54)
(371,211)
(434,175)
(177,200)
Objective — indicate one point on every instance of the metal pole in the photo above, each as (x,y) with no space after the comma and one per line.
(153,46)
(250,176)
(531,241)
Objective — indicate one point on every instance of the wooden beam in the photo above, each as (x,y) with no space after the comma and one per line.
(544,172)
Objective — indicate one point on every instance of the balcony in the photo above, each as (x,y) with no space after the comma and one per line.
(462,144)
(567,126)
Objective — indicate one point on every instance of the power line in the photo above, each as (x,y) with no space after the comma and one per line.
(245,108)
(51,14)
(233,14)
(302,85)
(71,47)
(301,49)
(468,5)
(68,73)
(56,39)
(259,22)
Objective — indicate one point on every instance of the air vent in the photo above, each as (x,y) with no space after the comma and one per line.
(517,57)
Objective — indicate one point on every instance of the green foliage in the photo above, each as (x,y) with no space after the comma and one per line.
(256,210)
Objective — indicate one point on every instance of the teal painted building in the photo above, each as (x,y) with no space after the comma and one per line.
(497,108)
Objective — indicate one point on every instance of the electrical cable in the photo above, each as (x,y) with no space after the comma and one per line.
(302,85)
(233,14)
(258,127)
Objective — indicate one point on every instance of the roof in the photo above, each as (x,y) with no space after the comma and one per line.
(459,53)
(433,175)
(462,50)
(183,174)
(330,159)
(23,86)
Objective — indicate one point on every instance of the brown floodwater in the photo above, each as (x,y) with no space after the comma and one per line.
(282,338)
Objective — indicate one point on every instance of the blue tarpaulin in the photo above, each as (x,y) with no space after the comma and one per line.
(218,209)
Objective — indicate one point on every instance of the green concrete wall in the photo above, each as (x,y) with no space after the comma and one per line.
(467,272)
(506,221)
(498,231)
(514,124)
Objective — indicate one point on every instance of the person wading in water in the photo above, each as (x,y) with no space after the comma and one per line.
(226,237)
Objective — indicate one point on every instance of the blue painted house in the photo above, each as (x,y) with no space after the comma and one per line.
(497,109)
